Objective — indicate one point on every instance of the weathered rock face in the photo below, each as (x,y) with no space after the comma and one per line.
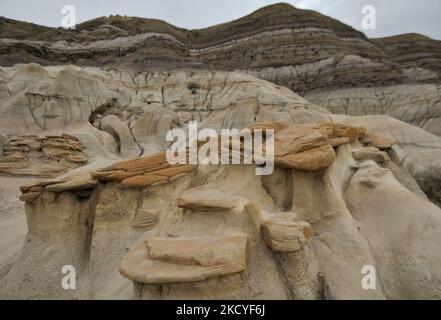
(129,115)
(416,151)
(219,231)
(41,157)
(418,55)
(143,172)
(349,188)
(310,147)
(300,49)
(286,233)
(373,184)
(59,235)
(419,105)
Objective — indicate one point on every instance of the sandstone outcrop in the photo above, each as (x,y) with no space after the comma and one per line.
(311,147)
(143,172)
(370,153)
(286,234)
(209,199)
(81,185)
(185,260)
(41,156)
(126,115)
(219,231)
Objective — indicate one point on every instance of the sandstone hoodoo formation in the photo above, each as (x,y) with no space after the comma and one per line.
(356,182)
(208,231)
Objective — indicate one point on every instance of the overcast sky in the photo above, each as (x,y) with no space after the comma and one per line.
(392,16)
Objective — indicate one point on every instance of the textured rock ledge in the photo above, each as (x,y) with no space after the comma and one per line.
(174,234)
(41,156)
(301,147)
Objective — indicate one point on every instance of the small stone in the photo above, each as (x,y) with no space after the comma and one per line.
(370,153)
(382,142)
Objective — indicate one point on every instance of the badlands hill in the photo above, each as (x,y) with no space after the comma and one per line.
(357,175)
(300,49)
(316,56)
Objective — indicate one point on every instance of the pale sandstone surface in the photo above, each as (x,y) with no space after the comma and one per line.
(304,240)
(67,103)
(309,243)
(416,151)
(357,160)
(129,114)
(416,104)
(12,222)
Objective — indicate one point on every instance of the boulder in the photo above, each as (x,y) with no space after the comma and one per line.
(161,260)
(382,142)
(370,153)
(310,160)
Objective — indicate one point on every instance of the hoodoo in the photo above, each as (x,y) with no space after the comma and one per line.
(283,155)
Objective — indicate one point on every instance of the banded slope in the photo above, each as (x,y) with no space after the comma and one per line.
(301,49)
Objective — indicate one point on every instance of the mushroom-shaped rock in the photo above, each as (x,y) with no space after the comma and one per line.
(32,191)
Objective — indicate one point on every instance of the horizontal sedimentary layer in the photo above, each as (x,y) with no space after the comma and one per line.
(300,49)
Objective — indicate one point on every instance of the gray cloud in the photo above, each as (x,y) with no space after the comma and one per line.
(393,16)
